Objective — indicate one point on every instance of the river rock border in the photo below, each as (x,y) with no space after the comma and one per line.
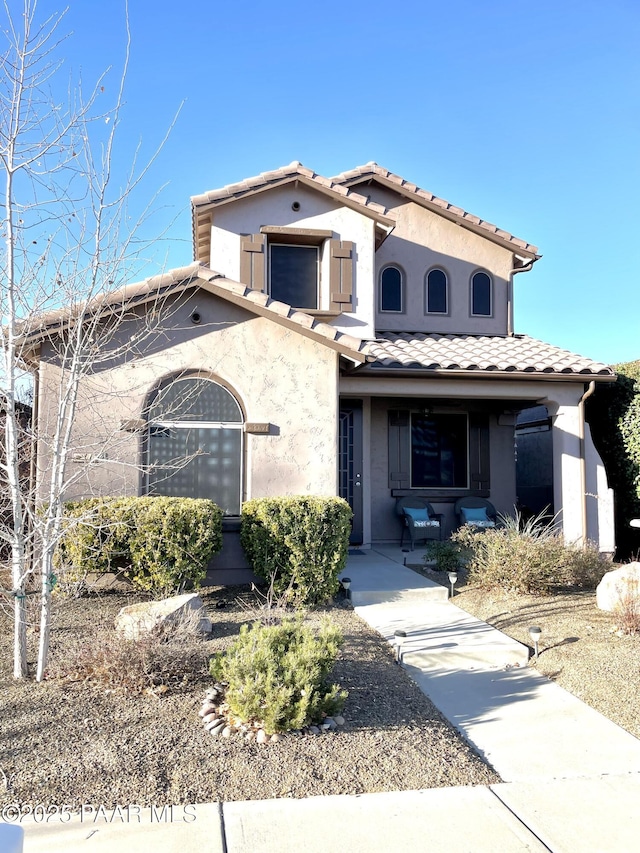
(217,720)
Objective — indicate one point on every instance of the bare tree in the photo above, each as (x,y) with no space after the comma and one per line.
(69,240)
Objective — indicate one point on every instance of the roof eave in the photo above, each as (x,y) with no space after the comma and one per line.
(444,373)
(516,245)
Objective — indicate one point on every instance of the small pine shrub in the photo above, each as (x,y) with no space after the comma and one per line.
(277,675)
(298,543)
(529,557)
(160,544)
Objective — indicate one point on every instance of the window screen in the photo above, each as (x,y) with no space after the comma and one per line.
(293,275)
(187,459)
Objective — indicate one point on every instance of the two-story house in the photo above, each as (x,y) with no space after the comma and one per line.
(351,336)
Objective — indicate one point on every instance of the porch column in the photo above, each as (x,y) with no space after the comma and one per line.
(568,489)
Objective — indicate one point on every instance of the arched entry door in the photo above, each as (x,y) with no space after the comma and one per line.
(194,443)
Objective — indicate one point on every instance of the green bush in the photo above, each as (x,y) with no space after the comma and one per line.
(299,543)
(529,558)
(277,675)
(447,555)
(159,543)
(613,413)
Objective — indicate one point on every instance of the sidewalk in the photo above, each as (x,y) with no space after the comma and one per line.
(571,777)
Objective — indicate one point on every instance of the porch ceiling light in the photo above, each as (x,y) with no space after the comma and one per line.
(534,633)
(399,638)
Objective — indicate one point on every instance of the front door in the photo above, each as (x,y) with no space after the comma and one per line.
(350,462)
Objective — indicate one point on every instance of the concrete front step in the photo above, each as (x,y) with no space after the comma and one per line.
(442,636)
(409,596)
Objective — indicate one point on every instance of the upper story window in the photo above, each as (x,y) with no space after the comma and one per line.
(481,295)
(391,295)
(436,293)
(293,274)
(306,268)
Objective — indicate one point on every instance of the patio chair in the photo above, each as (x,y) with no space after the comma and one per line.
(476,512)
(419,520)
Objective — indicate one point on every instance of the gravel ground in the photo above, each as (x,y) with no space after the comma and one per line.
(580,648)
(67,742)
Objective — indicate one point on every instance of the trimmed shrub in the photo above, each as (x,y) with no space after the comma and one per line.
(529,558)
(277,675)
(299,543)
(159,544)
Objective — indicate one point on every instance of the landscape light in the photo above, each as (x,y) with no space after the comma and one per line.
(346,585)
(534,633)
(453,579)
(399,637)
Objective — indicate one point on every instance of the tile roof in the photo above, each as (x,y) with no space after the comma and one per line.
(473,354)
(285,174)
(439,205)
(202,205)
(197,275)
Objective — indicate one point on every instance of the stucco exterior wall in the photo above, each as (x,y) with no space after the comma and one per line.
(246,216)
(277,375)
(423,240)
(385,525)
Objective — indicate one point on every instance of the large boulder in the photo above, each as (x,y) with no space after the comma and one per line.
(618,585)
(138,619)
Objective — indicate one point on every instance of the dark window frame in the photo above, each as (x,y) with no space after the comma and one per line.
(444,445)
(476,297)
(296,302)
(427,293)
(381,286)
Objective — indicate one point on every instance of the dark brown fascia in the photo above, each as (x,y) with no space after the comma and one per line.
(369,370)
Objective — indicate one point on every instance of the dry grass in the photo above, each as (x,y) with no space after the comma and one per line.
(583,649)
(67,741)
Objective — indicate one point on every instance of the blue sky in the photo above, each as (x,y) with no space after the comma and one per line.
(526,114)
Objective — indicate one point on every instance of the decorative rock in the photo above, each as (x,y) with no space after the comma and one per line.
(209,717)
(262,736)
(250,736)
(208,708)
(139,619)
(276,737)
(617,585)
(325,726)
(314,730)
(339,720)
(215,726)
(226,731)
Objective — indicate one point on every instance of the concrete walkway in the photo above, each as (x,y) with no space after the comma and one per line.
(571,777)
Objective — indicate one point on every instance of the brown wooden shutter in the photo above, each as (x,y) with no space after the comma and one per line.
(479,461)
(399,450)
(341,274)
(253,250)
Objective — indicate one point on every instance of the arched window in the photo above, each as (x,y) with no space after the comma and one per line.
(194,443)
(436,296)
(391,296)
(481,294)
